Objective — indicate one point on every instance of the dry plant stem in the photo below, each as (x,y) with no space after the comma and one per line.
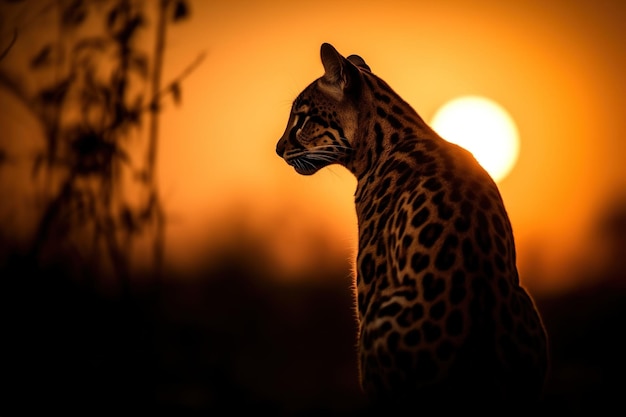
(153,140)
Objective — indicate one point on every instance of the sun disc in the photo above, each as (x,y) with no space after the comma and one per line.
(482,127)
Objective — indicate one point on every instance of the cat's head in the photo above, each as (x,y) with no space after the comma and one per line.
(324,117)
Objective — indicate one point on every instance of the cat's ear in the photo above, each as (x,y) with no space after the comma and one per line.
(359,62)
(338,71)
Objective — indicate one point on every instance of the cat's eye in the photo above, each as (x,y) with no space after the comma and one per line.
(300,111)
(299,108)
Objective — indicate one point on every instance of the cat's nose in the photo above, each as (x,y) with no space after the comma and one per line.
(280,147)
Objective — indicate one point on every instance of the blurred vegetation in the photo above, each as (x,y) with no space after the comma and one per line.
(99,109)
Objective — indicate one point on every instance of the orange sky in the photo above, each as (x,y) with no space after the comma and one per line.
(556,66)
(557,69)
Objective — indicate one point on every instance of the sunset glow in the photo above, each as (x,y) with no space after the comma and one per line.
(216,161)
(482,127)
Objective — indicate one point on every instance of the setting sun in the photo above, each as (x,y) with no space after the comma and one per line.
(482,127)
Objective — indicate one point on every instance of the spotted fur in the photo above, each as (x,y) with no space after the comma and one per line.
(443,318)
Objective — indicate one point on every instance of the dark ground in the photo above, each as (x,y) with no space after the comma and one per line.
(231,340)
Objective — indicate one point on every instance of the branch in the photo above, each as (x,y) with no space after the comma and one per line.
(169,87)
(155,84)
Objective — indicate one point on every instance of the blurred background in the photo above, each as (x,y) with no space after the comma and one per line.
(155,252)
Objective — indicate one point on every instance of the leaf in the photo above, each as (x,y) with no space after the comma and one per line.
(129,29)
(154,106)
(135,111)
(127,219)
(96,43)
(74,14)
(139,62)
(43,58)
(181,10)
(176,92)
(112,17)
(37,163)
(55,94)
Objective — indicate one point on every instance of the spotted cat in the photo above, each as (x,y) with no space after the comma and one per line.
(443,320)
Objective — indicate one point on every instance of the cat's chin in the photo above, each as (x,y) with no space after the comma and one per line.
(306,171)
(304,166)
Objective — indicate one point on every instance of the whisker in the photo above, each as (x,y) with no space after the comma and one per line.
(332,171)
(295,154)
(328,158)
(332,147)
(323,152)
(313,159)
(309,163)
